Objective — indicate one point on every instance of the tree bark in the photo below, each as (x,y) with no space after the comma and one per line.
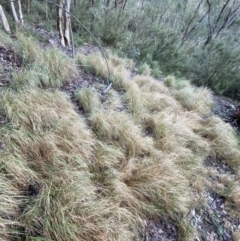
(60,21)
(28,6)
(4,20)
(67,24)
(46,10)
(20,12)
(14,11)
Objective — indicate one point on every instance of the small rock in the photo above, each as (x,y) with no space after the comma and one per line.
(51,41)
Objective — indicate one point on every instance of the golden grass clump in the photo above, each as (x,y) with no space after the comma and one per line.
(49,115)
(108,156)
(96,64)
(222,139)
(149,84)
(60,68)
(114,101)
(135,183)
(135,101)
(192,98)
(28,49)
(16,167)
(176,84)
(47,160)
(234,194)
(9,205)
(88,99)
(117,61)
(67,202)
(80,58)
(153,186)
(120,78)
(36,109)
(137,153)
(175,134)
(45,68)
(154,95)
(156,102)
(28,78)
(170,81)
(118,129)
(199,99)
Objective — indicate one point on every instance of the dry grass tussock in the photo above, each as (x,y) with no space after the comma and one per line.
(146,95)
(114,101)
(28,48)
(43,68)
(139,186)
(149,84)
(89,99)
(117,61)
(134,154)
(5,39)
(48,188)
(175,134)
(119,129)
(176,115)
(96,64)
(133,97)
(192,98)
(9,203)
(223,141)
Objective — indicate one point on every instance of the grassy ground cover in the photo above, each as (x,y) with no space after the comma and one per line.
(133,153)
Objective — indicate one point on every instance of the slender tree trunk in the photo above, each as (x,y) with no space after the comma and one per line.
(93,16)
(28,6)
(20,12)
(46,10)
(14,11)
(60,21)
(67,23)
(4,20)
(125,2)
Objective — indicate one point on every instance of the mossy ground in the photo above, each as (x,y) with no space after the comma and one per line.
(136,152)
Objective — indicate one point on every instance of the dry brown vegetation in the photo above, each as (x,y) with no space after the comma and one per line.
(136,153)
(43,68)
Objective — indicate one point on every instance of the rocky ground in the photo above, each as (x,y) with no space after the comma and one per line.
(212,221)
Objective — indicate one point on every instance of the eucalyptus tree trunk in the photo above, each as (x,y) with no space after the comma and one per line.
(4,20)
(60,21)
(67,24)
(14,11)
(46,10)
(63,22)
(20,19)
(20,12)
(29,6)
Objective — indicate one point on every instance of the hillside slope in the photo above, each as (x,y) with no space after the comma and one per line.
(144,160)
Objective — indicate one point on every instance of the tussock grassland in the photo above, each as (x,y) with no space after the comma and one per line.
(5,39)
(88,99)
(192,98)
(121,130)
(136,152)
(43,68)
(224,144)
(96,64)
